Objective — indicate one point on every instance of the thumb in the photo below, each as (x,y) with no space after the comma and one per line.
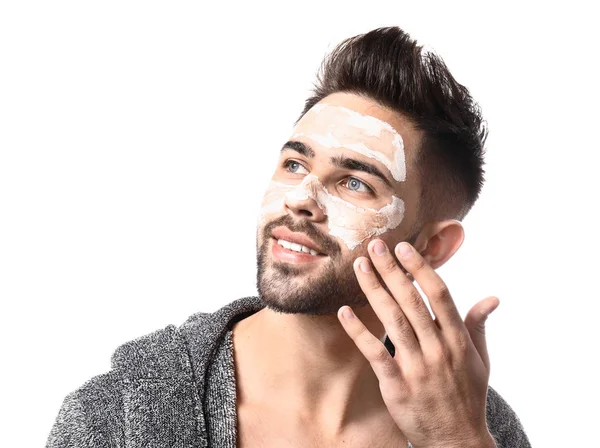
(475,323)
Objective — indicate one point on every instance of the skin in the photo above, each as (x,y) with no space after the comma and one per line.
(437,380)
(353,215)
(300,366)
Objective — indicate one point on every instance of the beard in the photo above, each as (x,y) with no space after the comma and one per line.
(319,288)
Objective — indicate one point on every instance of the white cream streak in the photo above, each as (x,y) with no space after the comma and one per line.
(350,223)
(370,126)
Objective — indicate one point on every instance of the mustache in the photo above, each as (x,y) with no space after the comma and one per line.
(330,247)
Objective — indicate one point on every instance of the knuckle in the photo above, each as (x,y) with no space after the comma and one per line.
(429,328)
(419,264)
(371,346)
(381,356)
(439,354)
(375,284)
(414,299)
(441,290)
(363,335)
(404,281)
(390,265)
(402,329)
(462,340)
(399,321)
(425,317)
(458,362)
(420,372)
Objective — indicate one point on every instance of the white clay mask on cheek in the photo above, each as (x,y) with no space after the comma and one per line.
(334,127)
(273,200)
(346,221)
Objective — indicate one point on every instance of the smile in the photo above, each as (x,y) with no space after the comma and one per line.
(290,252)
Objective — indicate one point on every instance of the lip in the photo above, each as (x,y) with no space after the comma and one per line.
(290,256)
(282,233)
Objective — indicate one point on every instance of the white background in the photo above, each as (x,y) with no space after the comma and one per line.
(137,139)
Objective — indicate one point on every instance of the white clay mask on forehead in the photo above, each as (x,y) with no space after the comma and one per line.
(339,127)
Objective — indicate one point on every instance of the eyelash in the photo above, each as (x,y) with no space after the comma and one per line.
(287,163)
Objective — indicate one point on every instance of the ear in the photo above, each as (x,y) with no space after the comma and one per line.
(439,241)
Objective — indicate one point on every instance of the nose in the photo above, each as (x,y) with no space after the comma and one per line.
(304,207)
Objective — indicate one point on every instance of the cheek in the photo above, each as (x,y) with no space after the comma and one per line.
(273,200)
(354,228)
(350,224)
(353,225)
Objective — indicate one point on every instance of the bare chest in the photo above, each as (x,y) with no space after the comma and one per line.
(261,431)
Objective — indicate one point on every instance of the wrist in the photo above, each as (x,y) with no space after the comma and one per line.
(483,441)
(486,441)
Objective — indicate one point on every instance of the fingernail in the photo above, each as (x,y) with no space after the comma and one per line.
(379,248)
(405,250)
(488,311)
(348,314)
(365,266)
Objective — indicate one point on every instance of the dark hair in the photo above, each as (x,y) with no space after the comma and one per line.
(387,66)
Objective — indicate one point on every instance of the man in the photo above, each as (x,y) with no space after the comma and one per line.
(367,197)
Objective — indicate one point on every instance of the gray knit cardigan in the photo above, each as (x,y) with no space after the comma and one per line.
(176,388)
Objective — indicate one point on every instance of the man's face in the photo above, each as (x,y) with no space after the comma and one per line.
(341,181)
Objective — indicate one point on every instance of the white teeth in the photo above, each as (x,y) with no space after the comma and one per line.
(296,247)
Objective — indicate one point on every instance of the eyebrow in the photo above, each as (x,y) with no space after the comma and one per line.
(339,161)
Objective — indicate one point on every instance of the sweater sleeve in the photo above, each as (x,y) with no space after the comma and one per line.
(88,417)
(72,427)
(503,423)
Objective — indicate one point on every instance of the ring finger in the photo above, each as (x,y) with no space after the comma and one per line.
(387,309)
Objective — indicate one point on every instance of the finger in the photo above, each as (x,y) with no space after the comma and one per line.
(442,305)
(372,348)
(475,323)
(387,310)
(404,292)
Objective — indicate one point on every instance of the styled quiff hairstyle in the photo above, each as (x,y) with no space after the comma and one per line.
(388,67)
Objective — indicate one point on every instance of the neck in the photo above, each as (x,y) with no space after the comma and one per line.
(306,367)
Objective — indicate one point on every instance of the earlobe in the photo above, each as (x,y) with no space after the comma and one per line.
(445,238)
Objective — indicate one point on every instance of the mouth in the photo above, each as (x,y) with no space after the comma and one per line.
(289,252)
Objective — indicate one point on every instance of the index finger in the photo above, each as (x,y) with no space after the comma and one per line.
(442,304)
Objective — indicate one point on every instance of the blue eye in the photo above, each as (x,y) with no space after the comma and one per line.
(354,182)
(291,166)
(292,163)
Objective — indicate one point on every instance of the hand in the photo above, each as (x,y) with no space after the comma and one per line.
(435,386)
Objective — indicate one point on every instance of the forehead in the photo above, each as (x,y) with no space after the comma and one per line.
(345,120)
